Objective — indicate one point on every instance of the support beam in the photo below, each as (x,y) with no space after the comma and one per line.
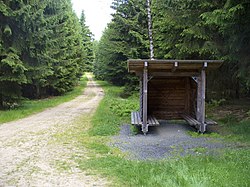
(145,99)
(201,89)
(141,97)
(174,74)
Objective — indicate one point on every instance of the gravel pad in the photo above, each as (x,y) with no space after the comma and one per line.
(163,141)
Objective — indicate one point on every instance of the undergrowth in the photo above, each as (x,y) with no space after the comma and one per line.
(29,107)
(112,111)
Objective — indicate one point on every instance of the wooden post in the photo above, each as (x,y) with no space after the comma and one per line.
(145,99)
(187,99)
(198,100)
(141,97)
(203,97)
(201,89)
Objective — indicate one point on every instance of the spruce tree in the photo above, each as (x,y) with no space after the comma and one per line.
(41,49)
(87,40)
(65,48)
(12,68)
(125,37)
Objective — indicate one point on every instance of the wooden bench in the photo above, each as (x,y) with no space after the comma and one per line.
(190,120)
(136,119)
(210,122)
(194,122)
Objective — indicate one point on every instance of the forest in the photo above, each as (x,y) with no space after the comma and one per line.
(66,98)
(45,48)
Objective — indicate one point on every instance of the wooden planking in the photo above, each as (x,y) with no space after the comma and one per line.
(173,61)
(152,121)
(210,122)
(168,95)
(161,115)
(179,93)
(136,119)
(138,65)
(187,96)
(190,120)
(174,74)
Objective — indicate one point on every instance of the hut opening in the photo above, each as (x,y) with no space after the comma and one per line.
(171,89)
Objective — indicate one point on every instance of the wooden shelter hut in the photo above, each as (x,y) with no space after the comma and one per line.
(172,89)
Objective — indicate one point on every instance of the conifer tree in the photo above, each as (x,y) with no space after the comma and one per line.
(125,37)
(87,40)
(41,49)
(12,68)
(65,48)
(207,30)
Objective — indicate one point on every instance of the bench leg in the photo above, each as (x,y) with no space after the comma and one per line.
(202,128)
(144,128)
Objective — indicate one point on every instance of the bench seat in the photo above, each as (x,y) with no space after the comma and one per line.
(194,122)
(136,119)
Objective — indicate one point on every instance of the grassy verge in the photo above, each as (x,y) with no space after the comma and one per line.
(237,131)
(233,118)
(112,111)
(29,107)
(229,168)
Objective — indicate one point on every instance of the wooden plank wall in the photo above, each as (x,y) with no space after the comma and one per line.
(171,96)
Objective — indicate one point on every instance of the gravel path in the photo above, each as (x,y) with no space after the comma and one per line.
(164,141)
(29,155)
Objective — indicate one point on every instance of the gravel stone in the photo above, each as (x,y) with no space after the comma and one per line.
(164,141)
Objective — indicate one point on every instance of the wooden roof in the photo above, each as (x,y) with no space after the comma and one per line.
(172,67)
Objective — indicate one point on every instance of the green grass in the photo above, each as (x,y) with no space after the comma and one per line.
(207,135)
(29,107)
(241,130)
(237,131)
(112,111)
(230,167)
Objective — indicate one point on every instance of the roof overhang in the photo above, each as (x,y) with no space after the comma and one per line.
(172,67)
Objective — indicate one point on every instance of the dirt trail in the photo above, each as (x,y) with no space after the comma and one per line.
(27,156)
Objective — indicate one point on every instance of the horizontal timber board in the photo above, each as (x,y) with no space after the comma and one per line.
(210,122)
(190,120)
(174,74)
(167,99)
(167,96)
(166,105)
(138,64)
